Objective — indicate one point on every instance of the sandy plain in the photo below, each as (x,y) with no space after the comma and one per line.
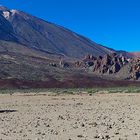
(48,116)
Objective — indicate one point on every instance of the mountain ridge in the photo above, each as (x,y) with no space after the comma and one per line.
(37,33)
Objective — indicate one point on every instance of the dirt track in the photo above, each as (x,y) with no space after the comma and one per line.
(70,117)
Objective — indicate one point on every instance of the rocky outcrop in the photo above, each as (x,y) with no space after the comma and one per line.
(135,69)
(63,64)
(113,64)
(107,64)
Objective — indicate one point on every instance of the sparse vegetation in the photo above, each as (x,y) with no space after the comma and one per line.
(73,90)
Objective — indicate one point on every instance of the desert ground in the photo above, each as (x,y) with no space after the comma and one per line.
(47,116)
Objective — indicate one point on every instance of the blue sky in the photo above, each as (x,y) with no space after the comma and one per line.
(113,23)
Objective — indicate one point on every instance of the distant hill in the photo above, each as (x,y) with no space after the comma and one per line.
(135,54)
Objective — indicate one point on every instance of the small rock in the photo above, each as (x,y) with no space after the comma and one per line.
(82,125)
(80,136)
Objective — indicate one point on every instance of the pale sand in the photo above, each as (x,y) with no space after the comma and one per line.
(70,117)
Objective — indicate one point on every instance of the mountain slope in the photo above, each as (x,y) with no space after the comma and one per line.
(17,26)
(134,54)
